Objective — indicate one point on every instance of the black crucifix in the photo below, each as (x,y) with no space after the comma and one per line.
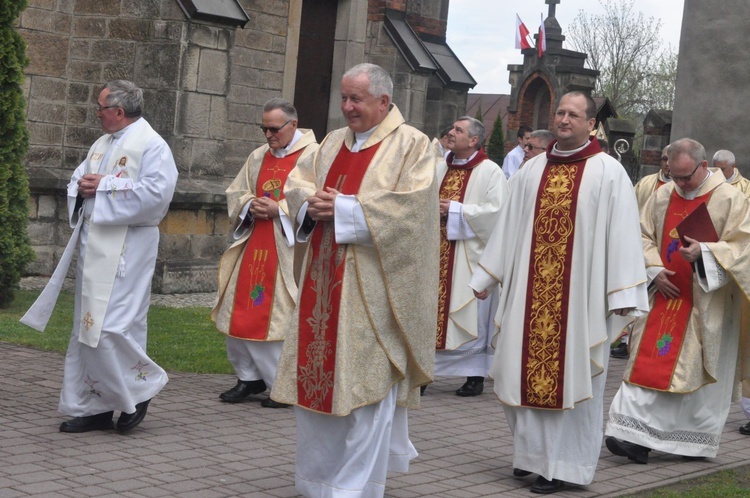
(552,4)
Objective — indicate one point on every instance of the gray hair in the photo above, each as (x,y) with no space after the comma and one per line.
(125,94)
(286,107)
(545,136)
(380,82)
(688,146)
(724,156)
(475,129)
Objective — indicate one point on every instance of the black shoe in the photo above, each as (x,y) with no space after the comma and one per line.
(745,429)
(544,487)
(422,389)
(693,458)
(99,422)
(269,403)
(520,472)
(129,421)
(242,390)
(634,452)
(473,387)
(621,351)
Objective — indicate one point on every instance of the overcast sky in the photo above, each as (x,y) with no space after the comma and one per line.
(482,32)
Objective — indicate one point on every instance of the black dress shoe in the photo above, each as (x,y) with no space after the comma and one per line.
(634,452)
(269,403)
(520,472)
(473,387)
(99,422)
(129,421)
(544,487)
(745,429)
(242,390)
(621,351)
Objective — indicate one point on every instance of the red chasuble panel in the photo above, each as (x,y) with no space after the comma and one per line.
(545,323)
(321,291)
(452,188)
(253,297)
(665,327)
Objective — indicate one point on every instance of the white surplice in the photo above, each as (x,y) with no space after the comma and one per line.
(118,374)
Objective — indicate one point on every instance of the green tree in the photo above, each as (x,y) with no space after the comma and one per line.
(637,72)
(479,113)
(496,145)
(15,248)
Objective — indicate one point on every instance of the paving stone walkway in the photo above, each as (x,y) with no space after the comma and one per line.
(193,445)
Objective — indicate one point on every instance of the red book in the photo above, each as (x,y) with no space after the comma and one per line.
(698,225)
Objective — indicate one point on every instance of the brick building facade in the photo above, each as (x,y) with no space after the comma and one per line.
(205,81)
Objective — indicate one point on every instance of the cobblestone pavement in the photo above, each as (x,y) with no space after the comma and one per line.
(193,445)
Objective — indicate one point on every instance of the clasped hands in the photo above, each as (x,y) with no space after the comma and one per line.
(264,208)
(88,184)
(689,253)
(320,204)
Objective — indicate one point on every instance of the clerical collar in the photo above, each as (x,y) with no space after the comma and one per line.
(663,178)
(461,162)
(282,152)
(361,138)
(566,153)
(694,193)
(121,132)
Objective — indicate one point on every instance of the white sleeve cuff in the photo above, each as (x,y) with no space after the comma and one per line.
(481,280)
(349,221)
(303,235)
(287,228)
(243,227)
(458,228)
(716,276)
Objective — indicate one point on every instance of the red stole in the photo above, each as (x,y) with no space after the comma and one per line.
(666,324)
(548,288)
(453,188)
(321,291)
(253,297)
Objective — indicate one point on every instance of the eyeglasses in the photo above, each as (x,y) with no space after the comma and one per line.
(273,129)
(685,178)
(100,108)
(532,147)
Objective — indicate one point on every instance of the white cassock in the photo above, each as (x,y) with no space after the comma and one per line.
(117,374)
(468,352)
(606,273)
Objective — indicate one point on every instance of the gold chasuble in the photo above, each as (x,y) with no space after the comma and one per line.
(548,289)
(452,188)
(663,335)
(321,291)
(253,298)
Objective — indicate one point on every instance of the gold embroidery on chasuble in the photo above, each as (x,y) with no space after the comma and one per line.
(320,298)
(548,287)
(453,188)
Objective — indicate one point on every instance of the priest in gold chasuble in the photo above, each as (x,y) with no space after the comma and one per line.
(362,335)
(565,251)
(256,282)
(472,189)
(687,354)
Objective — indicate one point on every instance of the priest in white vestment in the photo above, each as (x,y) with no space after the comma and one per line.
(683,367)
(565,252)
(257,288)
(472,189)
(362,336)
(116,198)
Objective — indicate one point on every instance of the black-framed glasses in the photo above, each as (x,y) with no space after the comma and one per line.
(273,129)
(101,108)
(532,147)
(685,178)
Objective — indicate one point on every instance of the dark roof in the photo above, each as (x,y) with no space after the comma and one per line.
(492,105)
(228,12)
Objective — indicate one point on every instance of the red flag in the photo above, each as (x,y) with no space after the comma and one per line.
(522,33)
(541,42)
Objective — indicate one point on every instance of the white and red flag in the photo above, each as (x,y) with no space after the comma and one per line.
(541,41)
(522,34)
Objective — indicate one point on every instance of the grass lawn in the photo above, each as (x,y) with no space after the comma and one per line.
(179,339)
(724,484)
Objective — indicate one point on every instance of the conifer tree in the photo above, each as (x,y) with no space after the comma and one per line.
(496,145)
(479,113)
(15,248)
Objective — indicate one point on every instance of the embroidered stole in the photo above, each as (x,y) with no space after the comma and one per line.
(106,243)
(453,187)
(320,295)
(664,332)
(253,299)
(548,289)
